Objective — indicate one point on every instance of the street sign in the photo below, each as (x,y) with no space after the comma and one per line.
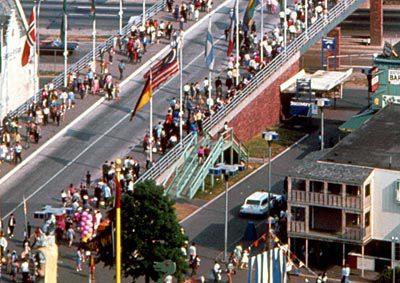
(329,43)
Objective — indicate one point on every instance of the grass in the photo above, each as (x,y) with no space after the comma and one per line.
(219,184)
(258,147)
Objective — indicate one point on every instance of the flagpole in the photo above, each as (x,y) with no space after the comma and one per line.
(306,17)
(151,121)
(262,30)
(181,89)
(65,27)
(25,218)
(144,13)
(121,12)
(237,43)
(209,71)
(94,34)
(35,72)
(285,25)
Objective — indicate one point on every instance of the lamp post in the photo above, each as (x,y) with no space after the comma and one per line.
(269,137)
(121,13)
(227,171)
(118,222)
(322,103)
(394,241)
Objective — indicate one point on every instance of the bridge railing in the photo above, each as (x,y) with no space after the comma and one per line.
(293,47)
(85,60)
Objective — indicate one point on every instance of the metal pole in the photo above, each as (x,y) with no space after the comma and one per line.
(285,26)
(65,27)
(322,129)
(181,89)
(306,17)
(209,73)
(394,239)
(269,209)
(118,222)
(226,219)
(94,41)
(237,42)
(262,31)
(121,12)
(151,124)
(144,13)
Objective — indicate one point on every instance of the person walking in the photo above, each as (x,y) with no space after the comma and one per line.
(25,271)
(78,260)
(11,225)
(194,265)
(70,235)
(121,68)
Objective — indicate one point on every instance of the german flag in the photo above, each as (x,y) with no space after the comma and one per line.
(145,97)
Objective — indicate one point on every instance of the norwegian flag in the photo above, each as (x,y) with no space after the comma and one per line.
(30,38)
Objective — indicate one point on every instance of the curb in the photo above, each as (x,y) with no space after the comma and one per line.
(97,103)
(242,180)
(51,140)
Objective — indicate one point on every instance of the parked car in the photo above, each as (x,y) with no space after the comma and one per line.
(57,47)
(257,203)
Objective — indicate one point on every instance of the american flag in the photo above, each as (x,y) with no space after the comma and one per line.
(164,69)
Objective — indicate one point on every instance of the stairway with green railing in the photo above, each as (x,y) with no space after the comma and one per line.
(226,141)
(183,172)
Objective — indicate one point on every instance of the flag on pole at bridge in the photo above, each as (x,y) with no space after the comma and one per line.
(164,69)
(64,22)
(268,267)
(209,52)
(145,96)
(93,10)
(232,32)
(30,38)
(249,13)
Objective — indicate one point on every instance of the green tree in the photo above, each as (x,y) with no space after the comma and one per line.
(150,233)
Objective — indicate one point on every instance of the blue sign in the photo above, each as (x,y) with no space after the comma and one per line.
(329,43)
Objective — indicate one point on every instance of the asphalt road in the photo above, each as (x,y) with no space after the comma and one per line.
(105,134)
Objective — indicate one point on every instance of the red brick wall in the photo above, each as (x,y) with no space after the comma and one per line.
(376,22)
(265,110)
(335,33)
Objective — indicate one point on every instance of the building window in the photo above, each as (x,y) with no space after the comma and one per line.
(367,218)
(367,190)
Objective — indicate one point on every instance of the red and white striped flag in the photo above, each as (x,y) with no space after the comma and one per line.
(30,38)
(164,69)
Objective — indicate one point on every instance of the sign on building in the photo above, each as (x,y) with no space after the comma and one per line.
(394,76)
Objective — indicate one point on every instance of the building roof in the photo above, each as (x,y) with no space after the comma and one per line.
(321,80)
(312,168)
(375,144)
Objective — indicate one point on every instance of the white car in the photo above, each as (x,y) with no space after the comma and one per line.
(257,203)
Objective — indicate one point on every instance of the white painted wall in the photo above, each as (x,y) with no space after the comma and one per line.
(385,210)
(16,82)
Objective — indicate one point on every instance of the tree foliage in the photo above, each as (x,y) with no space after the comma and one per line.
(150,233)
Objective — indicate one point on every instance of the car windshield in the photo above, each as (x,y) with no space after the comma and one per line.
(252,202)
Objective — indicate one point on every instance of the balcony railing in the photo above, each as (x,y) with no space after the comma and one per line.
(350,202)
(350,233)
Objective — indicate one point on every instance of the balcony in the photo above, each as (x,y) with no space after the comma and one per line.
(328,200)
(352,234)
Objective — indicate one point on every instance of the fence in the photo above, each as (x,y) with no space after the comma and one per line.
(295,46)
(85,60)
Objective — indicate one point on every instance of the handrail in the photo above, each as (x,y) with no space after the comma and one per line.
(192,142)
(203,171)
(85,60)
(260,77)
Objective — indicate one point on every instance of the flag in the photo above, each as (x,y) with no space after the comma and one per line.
(64,22)
(248,14)
(232,32)
(209,53)
(145,96)
(164,69)
(30,38)
(93,10)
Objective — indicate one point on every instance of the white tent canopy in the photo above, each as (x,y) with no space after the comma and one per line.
(321,81)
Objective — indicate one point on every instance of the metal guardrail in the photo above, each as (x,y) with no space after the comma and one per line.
(85,60)
(293,47)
